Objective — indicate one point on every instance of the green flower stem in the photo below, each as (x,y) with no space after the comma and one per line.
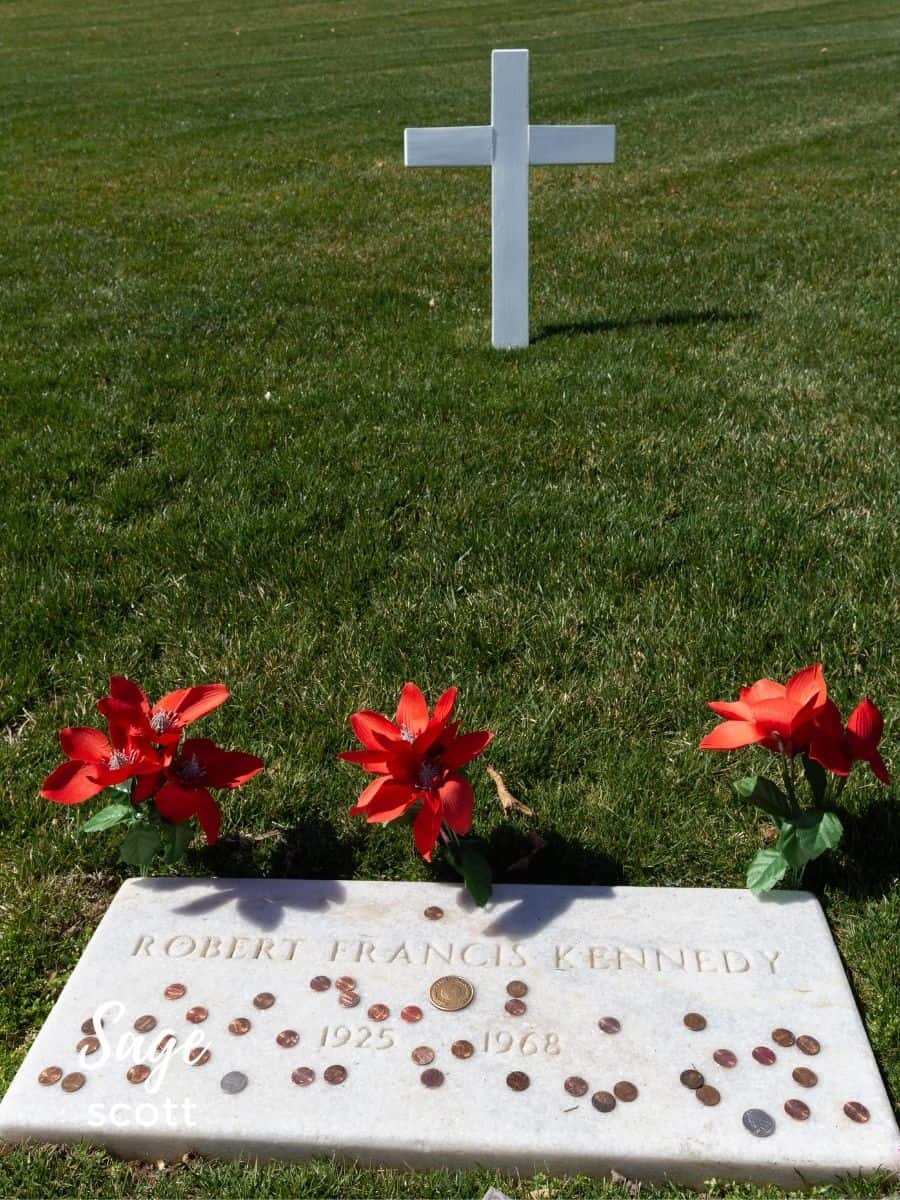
(789,781)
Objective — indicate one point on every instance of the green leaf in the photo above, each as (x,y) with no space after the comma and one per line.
(476,871)
(816,778)
(765,795)
(107,817)
(177,842)
(809,835)
(767,869)
(139,845)
(124,787)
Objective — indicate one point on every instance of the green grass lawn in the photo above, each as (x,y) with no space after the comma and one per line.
(253,430)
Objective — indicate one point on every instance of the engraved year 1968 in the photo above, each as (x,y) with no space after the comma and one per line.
(359,1037)
(501,1041)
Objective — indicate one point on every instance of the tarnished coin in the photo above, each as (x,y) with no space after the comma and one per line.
(73,1082)
(197,1015)
(88,1026)
(853,1109)
(695,1021)
(432,1078)
(303,1076)
(412,1014)
(764,1055)
(233,1082)
(346,983)
(335,1074)
(462,1049)
(576,1086)
(288,1038)
(263,1000)
(138,1073)
(808,1044)
(200,1056)
(348,999)
(434,912)
(797,1109)
(168,1039)
(804,1076)
(625,1091)
(783,1037)
(145,1023)
(422,1056)
(175,991)
(378,1012)
(239,1026)
(725,1058)
(609,1024)
(692,1079)
(518,1081)
(49,1076)
(517,988)
(516,1008)
(758,1122)
(603,1101)
(708,1095)
(450,993)
(88,1045)
(320,983)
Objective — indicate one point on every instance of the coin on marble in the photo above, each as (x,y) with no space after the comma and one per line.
(233,1082)
(758,1122)
(49,1076)
(73,1082)
(450,993)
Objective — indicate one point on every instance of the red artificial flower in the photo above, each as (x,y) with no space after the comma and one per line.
(180,789)
(776,715)
(417,758)
(838,748)
(127,708)
(95,763)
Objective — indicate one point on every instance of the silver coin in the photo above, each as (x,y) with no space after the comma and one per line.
(234,1082)
(758,1122)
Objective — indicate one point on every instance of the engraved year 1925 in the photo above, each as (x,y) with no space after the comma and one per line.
(359,1037)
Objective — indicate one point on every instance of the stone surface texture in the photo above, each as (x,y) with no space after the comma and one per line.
(644,956)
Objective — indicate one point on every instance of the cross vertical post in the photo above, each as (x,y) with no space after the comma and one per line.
(509,199)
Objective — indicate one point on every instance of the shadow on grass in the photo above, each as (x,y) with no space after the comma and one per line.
(867,864)
(708,316)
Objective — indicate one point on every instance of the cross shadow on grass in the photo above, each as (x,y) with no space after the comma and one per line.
(708,316)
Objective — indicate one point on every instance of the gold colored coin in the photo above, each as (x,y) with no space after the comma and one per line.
(450,993)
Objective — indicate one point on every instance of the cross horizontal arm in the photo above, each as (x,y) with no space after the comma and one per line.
(571,144)
(453,146)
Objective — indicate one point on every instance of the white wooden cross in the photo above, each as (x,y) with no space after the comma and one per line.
(508,145)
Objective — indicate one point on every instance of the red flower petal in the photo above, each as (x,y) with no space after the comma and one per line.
(457,802)
(876,762)
(176,803)
(830,753)
(763,689)
(209,815)
(146,786)
(368,794)
(866,723)
(412,711)
(222,768)
(732,735)
(71,783)
(125,720)
(463,749)
(85,744)
(370,760)
(426,828)
(124,690)
(443,710)
(192,703)
(392,801)
(731,710)
(807,685)
(374,730)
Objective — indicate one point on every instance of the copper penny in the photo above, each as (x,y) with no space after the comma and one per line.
(175,991)
(348,999)
(603,1101)
(138,1073)
(432,1078)
(433,912)
(411,1014)
(708,1095)
(695,1021)
(49,1076)
(783,1037)
(89,1045)
(797,1109)
(725,1058)
(692,1079)
(609,1024)
(462,1049)
(378,1012)
(807,1044)
(263,1000)
(517,1080)
(517,988)
(287,1038)
(764,1055)
(625,1091)
(73,1082)
(335,1074)
(303,1076)
(239,1026)
(853,1109)
(576,1086)
(200,1056)
(422,1056)
(346,983)
(168,1039)
(320,983)
(145,1023)
(515,1008)
(197,1015)
(804,1076)
(88,1026)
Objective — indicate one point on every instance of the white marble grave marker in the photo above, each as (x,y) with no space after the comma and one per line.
(508,145)
(575,1015)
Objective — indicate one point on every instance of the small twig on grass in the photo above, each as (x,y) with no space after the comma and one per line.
(507,800)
